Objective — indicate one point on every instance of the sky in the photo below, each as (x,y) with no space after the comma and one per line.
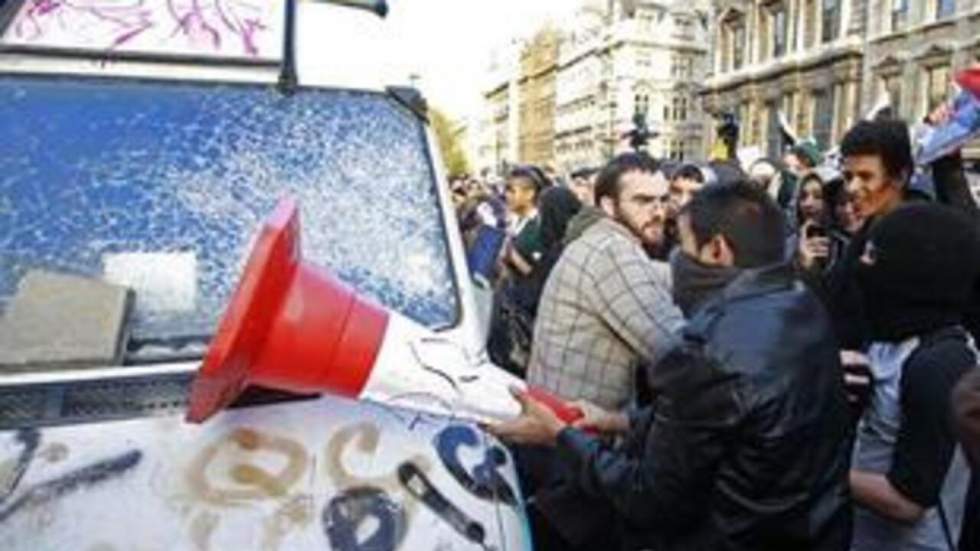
(447,43)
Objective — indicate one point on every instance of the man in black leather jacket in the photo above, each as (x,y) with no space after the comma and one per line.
(747,445)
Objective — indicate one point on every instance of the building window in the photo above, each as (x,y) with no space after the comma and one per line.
(646,22)
(682,66)
(840,110)
(779,31)
(675,150)
(642,103)
(774,138)
(743,122)
(810,30)
(900,14)
(892,85)
(823,117)
(738,46)
(789,108)
(679,109)
(937,86)
(945,8)
(831,20)
(793,24)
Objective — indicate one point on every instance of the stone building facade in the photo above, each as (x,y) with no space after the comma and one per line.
(536,93)
(825,63)
(623,57)
(800,57)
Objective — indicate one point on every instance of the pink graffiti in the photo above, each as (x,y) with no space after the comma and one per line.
(201,25)
(245,27)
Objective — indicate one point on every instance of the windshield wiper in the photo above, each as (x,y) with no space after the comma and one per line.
(169,348)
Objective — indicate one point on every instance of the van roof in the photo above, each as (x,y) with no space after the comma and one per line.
(75,61)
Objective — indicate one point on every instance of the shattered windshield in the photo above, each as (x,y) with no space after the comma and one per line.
(160,187)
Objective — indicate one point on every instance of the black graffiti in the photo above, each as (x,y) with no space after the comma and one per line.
(344,514)
(420,487)
(44,492)
(485,482)
(30,441)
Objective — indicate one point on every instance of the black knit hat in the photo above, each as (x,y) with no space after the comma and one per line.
(925,262)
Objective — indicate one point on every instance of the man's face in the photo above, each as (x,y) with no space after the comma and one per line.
(794,164)
(681,192)
(583,189)
(642,205)
(870,187)
(520,195)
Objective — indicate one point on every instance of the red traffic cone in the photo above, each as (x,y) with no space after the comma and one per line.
(293,326)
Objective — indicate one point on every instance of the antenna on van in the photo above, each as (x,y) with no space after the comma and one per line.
(288,77)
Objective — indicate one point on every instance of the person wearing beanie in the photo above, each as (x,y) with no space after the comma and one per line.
(803,157)
(909,475)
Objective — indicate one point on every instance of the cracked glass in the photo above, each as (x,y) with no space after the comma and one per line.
(162,186)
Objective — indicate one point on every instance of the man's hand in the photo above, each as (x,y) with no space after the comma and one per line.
(537,424)
(594,418)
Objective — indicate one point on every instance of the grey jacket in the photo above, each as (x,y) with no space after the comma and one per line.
(605,306)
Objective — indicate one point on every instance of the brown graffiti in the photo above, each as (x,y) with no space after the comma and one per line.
(246,481)
(366,437)
(294,514)
(202,527)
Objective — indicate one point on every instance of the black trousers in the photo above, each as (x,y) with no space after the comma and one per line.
(561,515)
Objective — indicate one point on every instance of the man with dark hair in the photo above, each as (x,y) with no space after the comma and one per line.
(606,305)
(508,344)
(583,185)
(877,166)
(909,476)
(879,151)
(684,183)
(747,444)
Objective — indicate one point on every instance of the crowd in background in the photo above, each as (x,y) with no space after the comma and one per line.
(773,356)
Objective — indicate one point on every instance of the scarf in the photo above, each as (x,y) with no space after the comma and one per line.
(696,282)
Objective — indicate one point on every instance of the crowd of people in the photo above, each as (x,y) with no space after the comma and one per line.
(774,356)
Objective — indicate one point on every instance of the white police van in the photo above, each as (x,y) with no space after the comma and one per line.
(141,145)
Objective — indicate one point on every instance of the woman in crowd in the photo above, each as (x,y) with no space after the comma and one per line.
(824,220)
